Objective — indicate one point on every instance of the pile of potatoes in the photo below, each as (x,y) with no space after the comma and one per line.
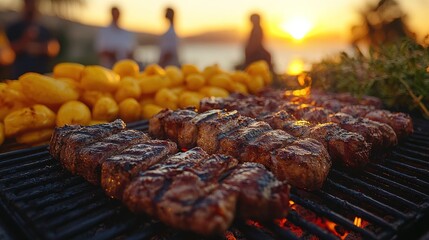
(33,105)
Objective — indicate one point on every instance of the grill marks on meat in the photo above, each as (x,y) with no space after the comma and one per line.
(91,157)
(81,137)
(189,190)
(118,170)
(194,191)
(243,137)
(174,121)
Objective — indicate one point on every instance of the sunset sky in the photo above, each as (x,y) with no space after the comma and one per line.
(328,17)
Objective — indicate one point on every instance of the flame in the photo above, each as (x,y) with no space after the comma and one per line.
(358,222)
(305,82)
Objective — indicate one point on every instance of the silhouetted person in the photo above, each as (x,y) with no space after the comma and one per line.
(32,43)
(169,43)
(114,43)
(255,49)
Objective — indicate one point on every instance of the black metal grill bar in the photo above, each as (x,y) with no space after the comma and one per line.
(409,146)
(146,233)
(23,167)
(394,184)
(310,227)
(88,222)
(121,227)
(19,162)
(21,152)
(374,188)
(424,175)
(411,159)
(409,178)
(30,174)
(332,215)
(251,232)
(356,210)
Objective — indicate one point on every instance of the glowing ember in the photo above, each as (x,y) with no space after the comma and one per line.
(358,222)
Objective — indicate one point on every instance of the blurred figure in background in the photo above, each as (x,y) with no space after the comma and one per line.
(255,49)
(114,43)
(169,43)
(32,43)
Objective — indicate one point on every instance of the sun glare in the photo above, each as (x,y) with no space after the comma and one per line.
(297,27)
(295,67)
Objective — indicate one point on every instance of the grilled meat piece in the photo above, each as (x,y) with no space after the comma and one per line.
(233,144)
(188,134)
(304,164)
(184,194)
(233,133)
(57,139)
(380,136)
(193,191)
(344,147)
(401,123)
(90,157)
(261,196)
(118,170)
(73,142)
(168,123)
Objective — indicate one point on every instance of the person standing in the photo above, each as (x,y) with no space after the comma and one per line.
(169,43)
(114,43)
(32,43)
(255,49)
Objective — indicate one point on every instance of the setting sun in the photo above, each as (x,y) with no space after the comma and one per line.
(297,27)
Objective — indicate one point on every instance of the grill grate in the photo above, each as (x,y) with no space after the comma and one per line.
(44,201)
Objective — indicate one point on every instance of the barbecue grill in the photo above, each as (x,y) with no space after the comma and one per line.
(386,200)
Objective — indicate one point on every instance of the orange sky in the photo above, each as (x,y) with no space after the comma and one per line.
(328,17)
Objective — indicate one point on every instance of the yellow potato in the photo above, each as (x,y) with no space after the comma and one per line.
(212,70)
(146,100)
(90,97)
(260,68)
(195,81)
(221,80)
(29,118)
(129,88)
(2,137)
(11,91)
(100,79)
(96,122)
(105,109)
(148,110)
(35,136)
(73,112)
(214,92)
(68,70)
(240,76)
(189,69)
(126,67)
(175,75)
(190,99)
(166,98)
(177,90)
(154,69)
(47,90)
(255,84)
(129,110)
(151,84)
(239,88)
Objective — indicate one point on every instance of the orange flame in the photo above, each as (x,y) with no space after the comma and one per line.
(358,222)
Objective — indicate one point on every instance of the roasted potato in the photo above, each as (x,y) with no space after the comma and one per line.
(175,75)
(100,79)
(68,70)
(105,109)
(128,88)
(195,81)
(221,80)
(239,88)
(190,99)
(166,98)
(151,84)
(209,91)
(126,67)
(210,71)
(260,68)
(35,137)
(46,90)
(154,70)
(129,110)
(255,84)
(148,110)
(73,112)
(27,119)
(189,69)
(90,97)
